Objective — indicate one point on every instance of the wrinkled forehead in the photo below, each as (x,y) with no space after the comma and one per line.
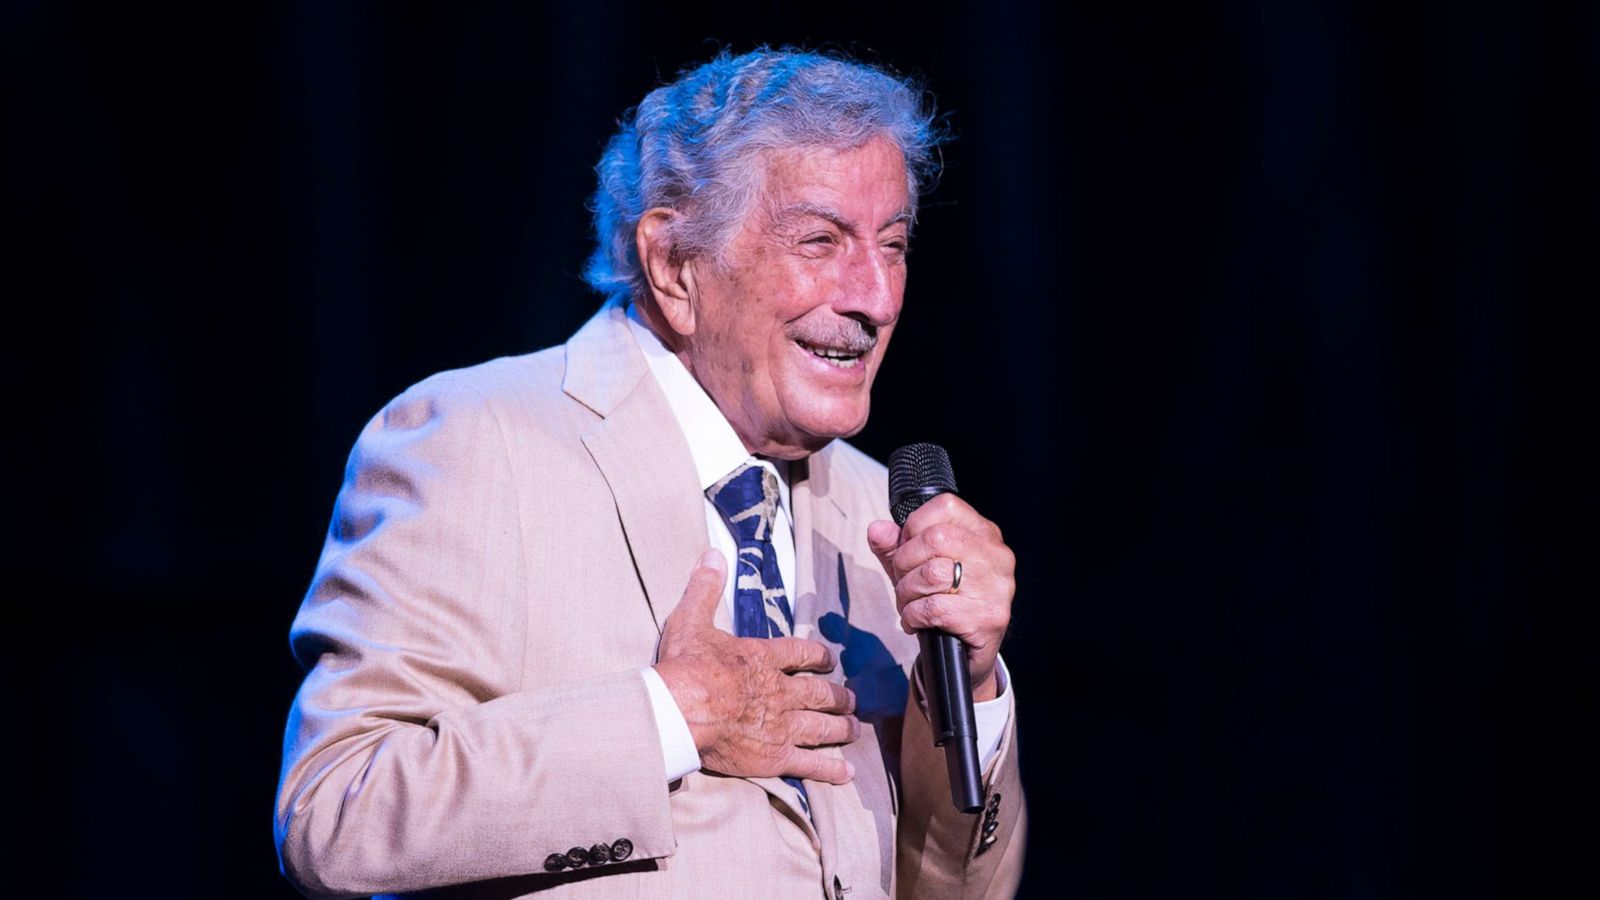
(863,188)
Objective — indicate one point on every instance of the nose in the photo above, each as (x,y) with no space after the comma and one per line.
(872,285)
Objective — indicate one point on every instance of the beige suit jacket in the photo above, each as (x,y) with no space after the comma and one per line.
(508,542)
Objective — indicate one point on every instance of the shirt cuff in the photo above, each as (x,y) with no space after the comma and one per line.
(989,716)
(678,752)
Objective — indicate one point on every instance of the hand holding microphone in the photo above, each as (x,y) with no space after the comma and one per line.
(954,580)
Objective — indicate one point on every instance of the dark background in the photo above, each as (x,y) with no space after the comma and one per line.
(1261,327)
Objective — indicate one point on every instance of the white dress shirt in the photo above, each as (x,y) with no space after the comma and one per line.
(717,450)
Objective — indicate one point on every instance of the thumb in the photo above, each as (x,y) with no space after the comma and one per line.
(704,591)
(883,537)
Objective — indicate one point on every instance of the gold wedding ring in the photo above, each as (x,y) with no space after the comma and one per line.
(955,580)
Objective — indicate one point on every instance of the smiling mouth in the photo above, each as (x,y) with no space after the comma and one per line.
(835,356)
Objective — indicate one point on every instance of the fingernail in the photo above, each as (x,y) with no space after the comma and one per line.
(712,559)
(849,770)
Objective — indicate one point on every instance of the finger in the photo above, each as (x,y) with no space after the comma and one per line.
(936,576)
(947,508)
(945,540)
(820,694)
(815,729)
(882,538)
(704,592)
(818,766)
(792,654)
(965,617)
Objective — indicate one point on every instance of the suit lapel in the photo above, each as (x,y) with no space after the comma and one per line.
(653,484)
(642,454)
(848,835)
(813,516)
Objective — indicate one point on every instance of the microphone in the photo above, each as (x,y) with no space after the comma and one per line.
(917,474)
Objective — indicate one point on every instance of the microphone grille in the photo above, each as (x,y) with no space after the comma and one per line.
(917,472)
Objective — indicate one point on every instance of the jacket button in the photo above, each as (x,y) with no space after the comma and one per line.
(621,849)
(577,856)
(555,862)
(598,854)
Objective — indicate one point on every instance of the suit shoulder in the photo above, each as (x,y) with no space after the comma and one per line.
(514,390)
(496,380)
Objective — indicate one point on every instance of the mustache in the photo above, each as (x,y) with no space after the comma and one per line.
(848,335)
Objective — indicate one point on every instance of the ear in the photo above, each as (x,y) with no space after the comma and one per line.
(669,276)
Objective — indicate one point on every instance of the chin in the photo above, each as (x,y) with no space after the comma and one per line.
(838,424)
(807,426)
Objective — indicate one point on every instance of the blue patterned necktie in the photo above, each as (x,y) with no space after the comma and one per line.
(747,498)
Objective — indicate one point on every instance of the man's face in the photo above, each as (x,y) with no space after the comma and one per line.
(788,339)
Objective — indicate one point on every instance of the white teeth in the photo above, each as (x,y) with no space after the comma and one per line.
(844,359)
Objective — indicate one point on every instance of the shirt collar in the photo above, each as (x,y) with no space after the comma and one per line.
(713,444)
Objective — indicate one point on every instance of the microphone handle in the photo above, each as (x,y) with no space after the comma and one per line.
(949,694)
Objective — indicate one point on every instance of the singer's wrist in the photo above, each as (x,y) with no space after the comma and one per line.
(988,689)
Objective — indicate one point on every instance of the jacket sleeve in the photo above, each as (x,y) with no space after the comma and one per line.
(943,853)
(414,756)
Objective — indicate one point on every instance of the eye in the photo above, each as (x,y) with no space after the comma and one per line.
(819,239)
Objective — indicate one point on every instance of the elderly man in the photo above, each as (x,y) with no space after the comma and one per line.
(623,618)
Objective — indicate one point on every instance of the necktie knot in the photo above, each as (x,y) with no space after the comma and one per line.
(747,497)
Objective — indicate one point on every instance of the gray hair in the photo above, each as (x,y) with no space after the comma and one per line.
(696,146)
